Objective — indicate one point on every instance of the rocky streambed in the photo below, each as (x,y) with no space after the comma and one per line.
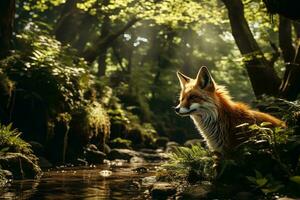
(116,180)
(125,174)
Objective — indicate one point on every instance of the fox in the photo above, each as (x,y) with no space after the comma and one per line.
(215,114)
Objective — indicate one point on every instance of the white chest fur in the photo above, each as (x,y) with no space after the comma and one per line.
(212,132)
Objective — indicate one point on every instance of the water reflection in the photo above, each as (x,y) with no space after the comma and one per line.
(102,182)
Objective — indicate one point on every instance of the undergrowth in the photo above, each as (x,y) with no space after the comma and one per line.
(10,141)
(267,164)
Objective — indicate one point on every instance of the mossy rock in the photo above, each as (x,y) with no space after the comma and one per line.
(120,143)
(20,166)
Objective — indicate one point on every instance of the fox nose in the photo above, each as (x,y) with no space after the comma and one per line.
(177,108)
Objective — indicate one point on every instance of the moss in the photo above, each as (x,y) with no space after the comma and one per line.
(89,124)
(120,143)
(98,120)
(126,125)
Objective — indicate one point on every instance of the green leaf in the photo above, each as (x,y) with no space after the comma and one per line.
(258,174)
(295,179)
(261,182)
(265,124)
(5,149)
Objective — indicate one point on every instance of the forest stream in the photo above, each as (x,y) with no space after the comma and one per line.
(114,180)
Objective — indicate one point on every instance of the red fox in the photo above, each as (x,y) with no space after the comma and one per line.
(215,115)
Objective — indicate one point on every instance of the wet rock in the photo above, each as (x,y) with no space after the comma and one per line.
(136,159)
(153,151)
(106,149)
(81,162)
(244,196)
(93,155)
(162,142)
(162,190)
(20,166)
(105,173)
(172,143)
(171,146)
(120,143)
(149,180)
(195,192)
(140,170)
(5,177)
(44,163)
(149,157)
(125,154)
(190,143)
(92,147)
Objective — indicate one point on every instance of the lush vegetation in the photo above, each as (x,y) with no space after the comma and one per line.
(80,72)
(267,164)
(10,141)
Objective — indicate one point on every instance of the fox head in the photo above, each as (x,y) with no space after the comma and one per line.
(197,95)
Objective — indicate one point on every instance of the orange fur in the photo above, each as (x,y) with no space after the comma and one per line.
(215,114)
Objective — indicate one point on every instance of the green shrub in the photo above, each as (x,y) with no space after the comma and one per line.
(187,162)
(266,164)
(43,69)
(10,141)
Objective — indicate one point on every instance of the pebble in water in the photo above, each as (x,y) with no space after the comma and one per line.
(105,173)
(136,159)
(150,180)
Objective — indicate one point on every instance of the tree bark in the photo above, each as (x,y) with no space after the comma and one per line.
(290,85)
(66,25)
(7,12)
(262,75)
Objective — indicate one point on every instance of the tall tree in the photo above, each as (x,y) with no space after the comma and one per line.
(263,76)
(7,12)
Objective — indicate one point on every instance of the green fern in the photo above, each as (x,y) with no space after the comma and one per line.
(10,141)
(184,161)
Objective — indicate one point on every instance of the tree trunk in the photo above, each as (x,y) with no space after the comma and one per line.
(7,12)
(262,75)
(65,30)
(290,85)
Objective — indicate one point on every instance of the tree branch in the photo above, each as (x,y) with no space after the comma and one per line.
(103,43)
(275,55)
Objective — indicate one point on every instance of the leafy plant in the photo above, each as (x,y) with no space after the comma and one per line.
(10,141)
(195,161)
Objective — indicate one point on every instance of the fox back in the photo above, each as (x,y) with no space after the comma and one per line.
(214,113)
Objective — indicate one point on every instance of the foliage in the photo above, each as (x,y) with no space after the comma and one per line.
(161,12)
(45,70)
(10,141)
(187,162)
(120,143)
(267,163)
(98,119)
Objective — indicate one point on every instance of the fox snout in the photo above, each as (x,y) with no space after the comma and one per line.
(177,109)
(186,111)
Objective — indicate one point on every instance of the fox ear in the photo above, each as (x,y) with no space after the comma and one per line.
(183,79)
(205,80)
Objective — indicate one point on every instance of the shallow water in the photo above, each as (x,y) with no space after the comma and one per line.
(120,181)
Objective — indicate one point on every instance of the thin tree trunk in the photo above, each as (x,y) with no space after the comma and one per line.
(262,75)
(290,85)
(65,29)
(7,12)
